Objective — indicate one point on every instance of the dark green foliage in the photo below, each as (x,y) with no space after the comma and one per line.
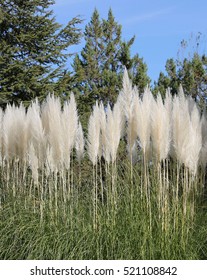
(191,72)
(32,49)
(139,74)
(99,69)
(171,80)
(193,75)
(121,234)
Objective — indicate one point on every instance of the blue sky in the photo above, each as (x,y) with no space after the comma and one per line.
(159,25)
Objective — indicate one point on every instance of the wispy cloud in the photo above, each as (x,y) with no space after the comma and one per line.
(148,16)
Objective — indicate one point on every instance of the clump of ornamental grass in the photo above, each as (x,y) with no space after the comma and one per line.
(158,189)
(142,127)
(113,136)
(52,124)
(160,135)
(36,148)
(126,99)
(187,143)
(93,147)
(79,147)
(104,134)
(15,145)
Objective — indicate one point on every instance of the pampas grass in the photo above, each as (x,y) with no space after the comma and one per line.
(113,132)
(93,140)
(93,146)
(140,169)
(79,143)
(36,133)
(160,130)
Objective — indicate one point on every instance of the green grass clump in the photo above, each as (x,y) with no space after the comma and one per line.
(124,230)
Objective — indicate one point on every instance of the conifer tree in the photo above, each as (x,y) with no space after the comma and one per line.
(189,70)
(139,74)
(32,48)
(168,80)
(87,70)
(99,69)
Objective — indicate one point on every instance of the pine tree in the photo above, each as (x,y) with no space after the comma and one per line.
(32,48)
(139,74)
(99,68)
(86,68)
(193,76)
(169,80)
(190,71)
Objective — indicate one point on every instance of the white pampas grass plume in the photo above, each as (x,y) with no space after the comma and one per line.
(119,102)
(93,139)
(79,143)
(132,126)
(126,99)
(168,103)
(160,129)
(21,136)
(126,96)
(104,147)
(187,137)
(52,124)
(181,126)
(195,142)
(69,128)
(15,133)
(36,133)
(114,125)
(109,133)
(143,115)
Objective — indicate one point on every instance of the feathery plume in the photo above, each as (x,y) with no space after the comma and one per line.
(93,140)
(15,140)
(52,124)
(69,121)
(187,138)
(160,129)
(132,126)
(79,143)
(36,134)
(126,96)
(114,125)
(143,115)
(195,142)
(104,148)
(181,126)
